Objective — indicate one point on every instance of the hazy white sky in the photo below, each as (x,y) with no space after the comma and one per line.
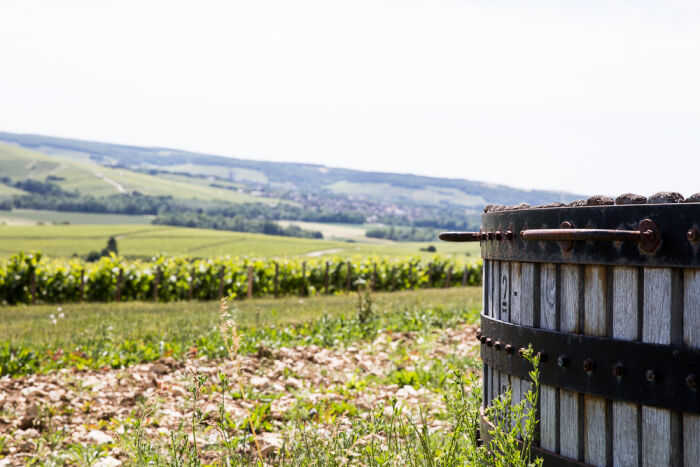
(587,96)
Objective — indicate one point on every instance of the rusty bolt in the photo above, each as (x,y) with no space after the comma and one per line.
(489,343)
(691,381)
(509,235)
(617,369)
(497,345)
(509,349)
(482,339)
(562,360)
(651,376)
(693,235)
(588,365)
(497,235)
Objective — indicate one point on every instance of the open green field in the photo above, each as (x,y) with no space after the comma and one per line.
(33,217)
(145,241)
(33,325)
(93,179)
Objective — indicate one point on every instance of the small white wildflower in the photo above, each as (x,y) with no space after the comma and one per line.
(54,321)
(52,316)
(173,278)
(59,308)
(61,315)
(301,301)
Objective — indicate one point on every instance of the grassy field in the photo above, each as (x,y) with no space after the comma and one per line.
(33,325)
(149,240)
(34,217)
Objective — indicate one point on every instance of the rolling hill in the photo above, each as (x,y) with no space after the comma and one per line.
(100,168)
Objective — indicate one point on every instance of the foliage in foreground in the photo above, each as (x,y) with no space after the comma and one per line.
(180,278)
(382,437)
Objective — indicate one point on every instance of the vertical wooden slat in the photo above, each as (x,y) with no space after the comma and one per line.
(349,275)
(515,296)
(548,394)
(448,279)
(190,291)
(277,281)
(32,286)
(326,279)
(221,282)
(624,327)
(120,283)
(82,285)
(464,276)
(526,305)
(302,291)
(691,338)
(494,300)
(156,284)
(656,328)
(249,292)
(569,400)
(594,324)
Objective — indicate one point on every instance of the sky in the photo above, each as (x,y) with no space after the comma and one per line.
(591,97)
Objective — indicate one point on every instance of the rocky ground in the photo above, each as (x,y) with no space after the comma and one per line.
(77,417)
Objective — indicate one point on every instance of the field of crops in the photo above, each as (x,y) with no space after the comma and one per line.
(31,278)
(145,241)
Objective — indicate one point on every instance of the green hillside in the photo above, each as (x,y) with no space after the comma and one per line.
(389,187)
(93,179)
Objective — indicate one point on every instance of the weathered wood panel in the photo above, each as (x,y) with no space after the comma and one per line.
(625,309)
(594,323)
(691,338)
(548,320)
(657,426)
(569,400)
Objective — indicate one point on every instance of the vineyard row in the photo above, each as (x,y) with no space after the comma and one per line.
(31,278)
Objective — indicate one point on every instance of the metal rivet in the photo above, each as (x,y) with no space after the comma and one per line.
(509,349)
(693,235)
(497,345)
(562,360)
(617,369)
(489,235)
(691,381)
(498,235)
(489,343)
(521,351)
(651,376)
(509,235)
(588,365)
(483,339)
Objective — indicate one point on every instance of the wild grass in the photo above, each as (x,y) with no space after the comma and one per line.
(39,338)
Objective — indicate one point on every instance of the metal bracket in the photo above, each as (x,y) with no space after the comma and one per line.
(664,376)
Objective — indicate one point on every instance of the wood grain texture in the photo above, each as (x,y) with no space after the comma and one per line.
(569,400)
(548,394)
(691,338)
(624,322)
(527,294)
(594,323)
(656,423)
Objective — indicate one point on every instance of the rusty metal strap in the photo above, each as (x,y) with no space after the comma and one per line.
(663,376)
(549,458)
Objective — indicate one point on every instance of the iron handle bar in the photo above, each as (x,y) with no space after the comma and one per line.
(590,235)
(461,236)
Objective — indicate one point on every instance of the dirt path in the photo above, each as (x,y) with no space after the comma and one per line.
(118,186)
(317,253)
